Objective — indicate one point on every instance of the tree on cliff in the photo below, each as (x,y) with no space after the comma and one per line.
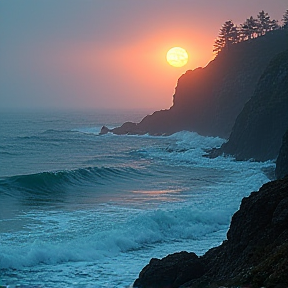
(285,20)
(265,24)
(249,29)
(228,35)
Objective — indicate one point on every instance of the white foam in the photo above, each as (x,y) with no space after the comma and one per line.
(110,233)
(89,130)
(53,245)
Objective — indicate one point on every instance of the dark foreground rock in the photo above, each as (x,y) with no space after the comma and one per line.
(254,254)
(172,271)
(282,159)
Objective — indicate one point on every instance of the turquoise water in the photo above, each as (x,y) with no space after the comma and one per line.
(82,210)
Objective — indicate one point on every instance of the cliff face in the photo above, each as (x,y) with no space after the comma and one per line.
(257,245)
(208,100)
(256,252)
(260,126)
(211,98)
(282,160)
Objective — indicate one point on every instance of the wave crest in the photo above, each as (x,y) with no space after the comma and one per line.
(58,180)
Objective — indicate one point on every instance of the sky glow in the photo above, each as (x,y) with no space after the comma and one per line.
(108,54)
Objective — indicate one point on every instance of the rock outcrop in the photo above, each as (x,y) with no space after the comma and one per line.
(259,128)
(255,252)
(104,130)
(208,100)
(282,159)
(178,268)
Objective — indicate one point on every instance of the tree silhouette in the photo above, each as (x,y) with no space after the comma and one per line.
(249,29)
(253,27)
(228,35)
(285,20)
(264,22)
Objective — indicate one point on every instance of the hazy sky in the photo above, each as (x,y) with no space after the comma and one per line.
(108,53)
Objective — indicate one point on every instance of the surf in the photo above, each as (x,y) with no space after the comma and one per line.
(56,181)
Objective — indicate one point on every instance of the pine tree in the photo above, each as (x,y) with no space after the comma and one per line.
(244,32)
(228,35)
(264,22)
(285,20)
(249,29)
(274,25)
(253,27)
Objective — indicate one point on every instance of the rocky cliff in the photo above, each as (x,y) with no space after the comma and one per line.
(259,128)
(282,159)
(208,100)
(255,253)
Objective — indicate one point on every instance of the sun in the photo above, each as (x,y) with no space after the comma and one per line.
(177,57)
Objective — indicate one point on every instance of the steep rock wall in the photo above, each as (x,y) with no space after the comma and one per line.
(282,159)
(260,126)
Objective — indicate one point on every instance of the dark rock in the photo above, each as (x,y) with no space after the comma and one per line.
(171,271)
(208,100)
(127,128)
(259,128)
(104,130)
(254,254)
(212,153)
(257,230)
(282,160)
(155,124)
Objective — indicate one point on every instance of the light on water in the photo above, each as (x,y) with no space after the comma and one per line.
(82,210)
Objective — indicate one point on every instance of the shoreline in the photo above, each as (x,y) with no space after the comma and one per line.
(255,253)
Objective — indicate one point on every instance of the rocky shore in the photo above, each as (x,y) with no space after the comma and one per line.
(247,98)
(255,253)
(208,100)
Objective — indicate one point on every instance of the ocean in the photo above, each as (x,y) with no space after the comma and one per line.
(82,210)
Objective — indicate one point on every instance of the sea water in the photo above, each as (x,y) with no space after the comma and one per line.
(82,210)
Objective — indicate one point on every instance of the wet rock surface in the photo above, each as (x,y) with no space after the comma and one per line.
(254,254)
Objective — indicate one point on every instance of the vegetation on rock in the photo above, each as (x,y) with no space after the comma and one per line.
(252,27)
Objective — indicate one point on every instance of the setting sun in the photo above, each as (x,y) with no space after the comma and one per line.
(177,57)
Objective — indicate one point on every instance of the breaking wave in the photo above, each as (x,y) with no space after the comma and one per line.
(53,181)
(138,232)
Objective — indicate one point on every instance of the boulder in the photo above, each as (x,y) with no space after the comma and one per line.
(171,271)
(104,130)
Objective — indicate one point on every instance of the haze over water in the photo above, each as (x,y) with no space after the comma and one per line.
(82,210)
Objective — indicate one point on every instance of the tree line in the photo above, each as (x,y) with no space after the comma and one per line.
(252,27)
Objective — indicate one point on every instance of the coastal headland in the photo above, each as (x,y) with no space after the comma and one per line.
(242,96)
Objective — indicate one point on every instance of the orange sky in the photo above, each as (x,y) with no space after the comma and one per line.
(136,69)
(108,54)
